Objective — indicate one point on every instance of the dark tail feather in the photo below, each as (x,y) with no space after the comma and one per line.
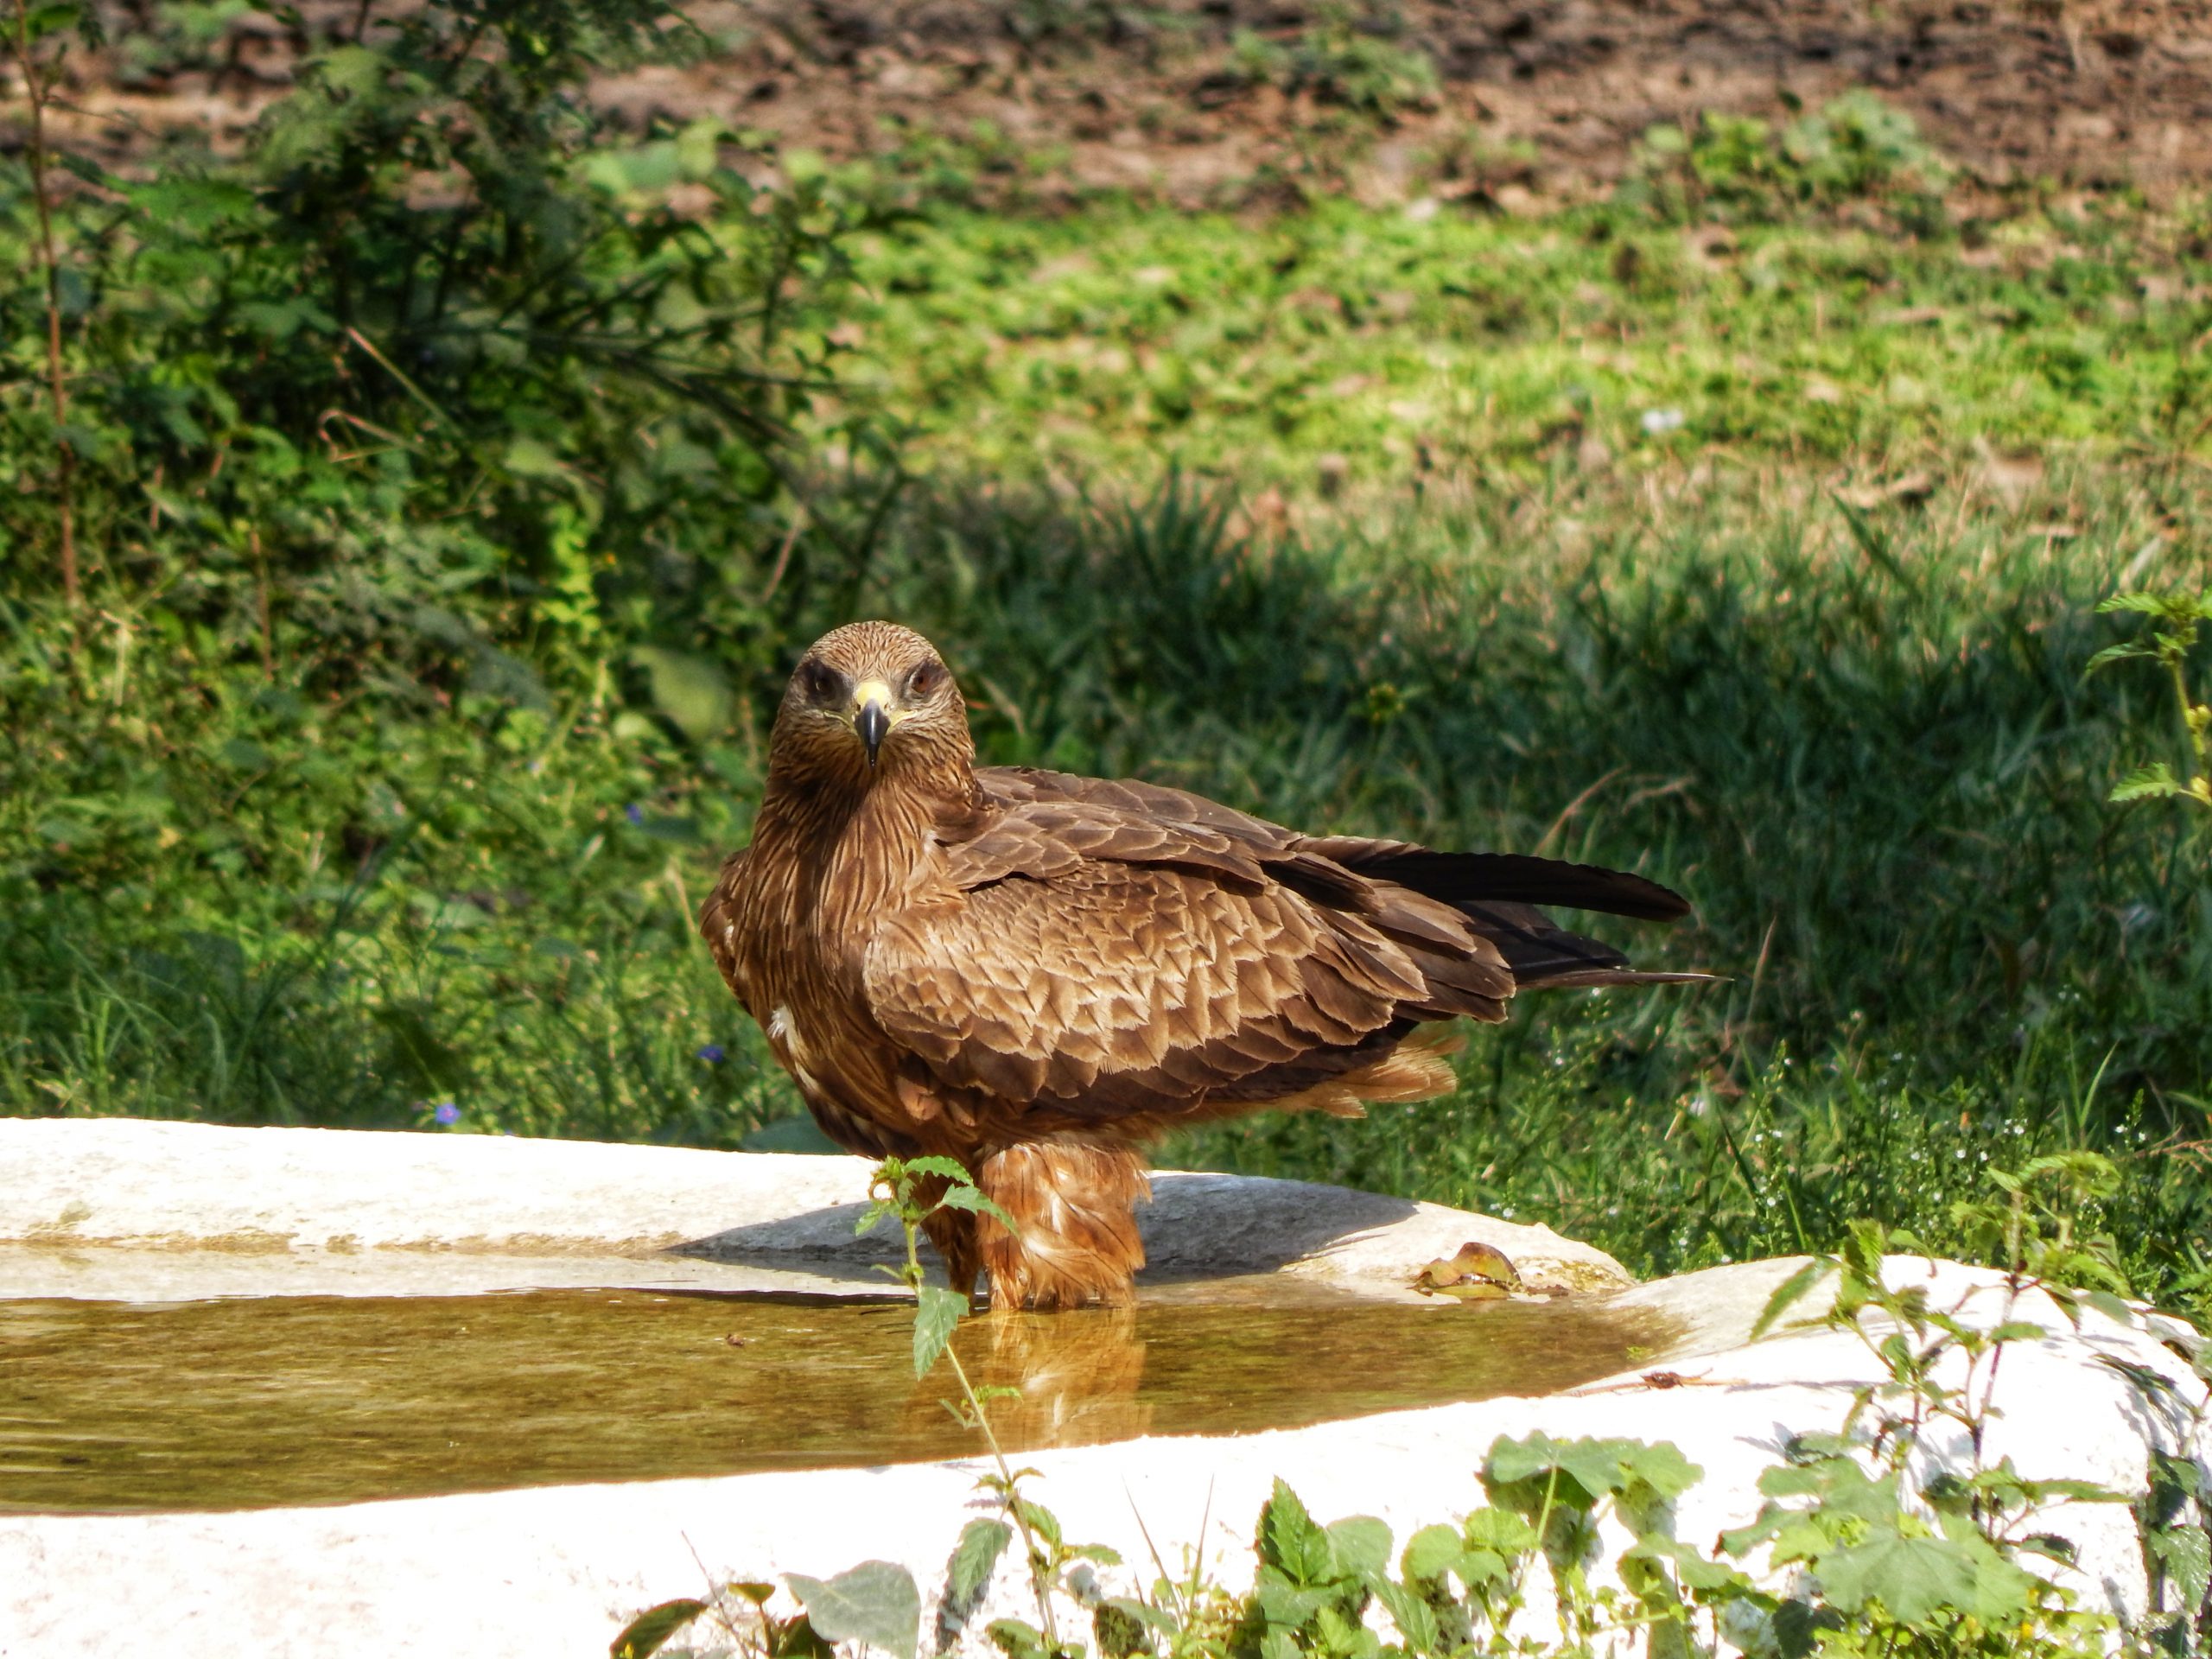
(1614,976)
(1544,956)
(1516,878)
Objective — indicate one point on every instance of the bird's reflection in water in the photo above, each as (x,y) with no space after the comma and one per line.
(1074,1376)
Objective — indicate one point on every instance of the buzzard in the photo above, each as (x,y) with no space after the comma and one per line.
(1037,975)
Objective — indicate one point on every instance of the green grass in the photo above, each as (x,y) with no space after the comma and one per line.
(1424,572)
(1095,346)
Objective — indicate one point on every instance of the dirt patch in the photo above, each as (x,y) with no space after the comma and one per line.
(1546,95)
(1199,100)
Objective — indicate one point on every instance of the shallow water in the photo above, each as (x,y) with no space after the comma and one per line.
(250,1402)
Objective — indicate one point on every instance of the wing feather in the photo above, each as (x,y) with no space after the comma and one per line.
(1412,892)
(1124,951)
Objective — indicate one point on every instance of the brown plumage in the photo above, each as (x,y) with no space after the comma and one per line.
(1037,974)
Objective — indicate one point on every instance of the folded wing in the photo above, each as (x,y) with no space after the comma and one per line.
(1111,961)
(1496,894)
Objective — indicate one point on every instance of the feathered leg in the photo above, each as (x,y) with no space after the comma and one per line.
(1074,1242)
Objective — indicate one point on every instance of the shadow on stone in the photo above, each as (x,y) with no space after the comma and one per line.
(1202,1223)
(1197,1225)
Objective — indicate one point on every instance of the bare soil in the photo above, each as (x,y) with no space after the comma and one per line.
(1542,97)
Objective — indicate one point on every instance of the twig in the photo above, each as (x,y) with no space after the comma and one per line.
(396,373)
(783,554)
(35,89)
(261,584)
(1574,806)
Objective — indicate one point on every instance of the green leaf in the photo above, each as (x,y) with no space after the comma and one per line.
(1414,1617)
(2051,1547)
(2184,1555)
(1285,1603)
(2154,781)
(1338,1634)
(955,1173)
(937,1314)
(1160,1619)
(1121,1630)
(1588,1471)
(1477,1567)
(875,1603)
(1657,1467)
(1430,1553)
(1791,1292)
(1038,1519)
(2119,653)
(649,1631)
(1914,1578)
(1291,1543)
(1359,1544)
(1524,1469)
(2179,607)
(982,1543)
(2074,1491)
(971,1199)
(195,204)
(1500,1529)
(1865,1243)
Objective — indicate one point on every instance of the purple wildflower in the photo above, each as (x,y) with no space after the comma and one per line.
(712,1054)
(635,813)
(448,1113)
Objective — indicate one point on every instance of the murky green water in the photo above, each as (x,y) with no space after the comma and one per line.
(108,1405)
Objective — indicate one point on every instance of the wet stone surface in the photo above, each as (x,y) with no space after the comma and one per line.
(277,1401)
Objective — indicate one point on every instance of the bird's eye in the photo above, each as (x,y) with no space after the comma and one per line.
(820,682)
(924,681)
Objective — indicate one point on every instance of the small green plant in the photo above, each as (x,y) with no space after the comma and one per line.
(1742,168)
(909,1191)
(36,44)
(2174,619)
(2034,1230)
(1349,62)
(1914,1563)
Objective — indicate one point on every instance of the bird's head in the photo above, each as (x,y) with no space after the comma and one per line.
(868,700)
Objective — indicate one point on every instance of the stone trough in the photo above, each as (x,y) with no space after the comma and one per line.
(316,1392)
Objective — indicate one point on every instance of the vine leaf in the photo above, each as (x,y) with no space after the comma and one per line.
(1790,1292)
(2146,782)
(936,1313)
(647,1633)
(982,1541)
(875,1603)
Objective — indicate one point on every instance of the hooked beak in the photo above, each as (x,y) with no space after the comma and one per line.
(872,717)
